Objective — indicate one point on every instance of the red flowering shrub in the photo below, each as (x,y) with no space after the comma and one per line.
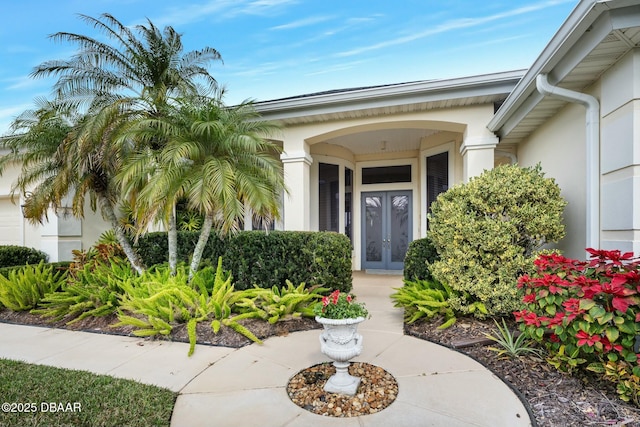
(586,313)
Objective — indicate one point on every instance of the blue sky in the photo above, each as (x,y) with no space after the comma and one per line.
(279,48)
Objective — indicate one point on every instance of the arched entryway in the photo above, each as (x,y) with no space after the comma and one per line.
(369,182)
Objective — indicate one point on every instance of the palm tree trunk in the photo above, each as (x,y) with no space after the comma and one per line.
(205,232)
(172,236)
(131,254)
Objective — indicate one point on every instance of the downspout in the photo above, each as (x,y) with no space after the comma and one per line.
(592,147)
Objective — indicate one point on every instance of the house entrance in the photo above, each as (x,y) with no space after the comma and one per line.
(386,229)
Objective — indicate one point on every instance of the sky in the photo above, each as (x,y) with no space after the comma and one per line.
(274,49)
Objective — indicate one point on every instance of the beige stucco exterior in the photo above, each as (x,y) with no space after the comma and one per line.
(620,154)
(559,148)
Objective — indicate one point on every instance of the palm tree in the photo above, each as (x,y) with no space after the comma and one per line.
(133,79)
(34,144)
(65,155)
(218,160)
(150,70)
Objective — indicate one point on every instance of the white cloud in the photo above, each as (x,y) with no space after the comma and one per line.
(453,25)
(24,82)
(259,7)
(186,14)
(312,20)
(219,9)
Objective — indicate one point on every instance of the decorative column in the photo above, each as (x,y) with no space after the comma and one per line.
(60,236)
(296,161)
(477,155)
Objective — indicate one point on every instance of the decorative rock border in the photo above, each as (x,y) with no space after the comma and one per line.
(378,389)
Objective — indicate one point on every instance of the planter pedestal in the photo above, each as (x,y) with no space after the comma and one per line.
(341,341)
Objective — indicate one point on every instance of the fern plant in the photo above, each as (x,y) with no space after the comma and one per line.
(511,344)
(23,288)
(425,299)
(95,290)
(284,303)
(157,301)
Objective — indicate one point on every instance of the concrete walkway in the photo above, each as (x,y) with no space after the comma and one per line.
(247,387)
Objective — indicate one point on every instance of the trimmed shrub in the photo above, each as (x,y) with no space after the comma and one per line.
(420,255)
(487,233)
(265,259)
(270,259)
(153,248)
(20,255)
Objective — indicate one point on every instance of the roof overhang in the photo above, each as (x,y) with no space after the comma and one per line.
(390,99)
(595,36)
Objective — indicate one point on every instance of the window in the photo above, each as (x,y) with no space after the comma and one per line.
(261,224)
(437,176)
(348,202)
(386,174)
(328,197)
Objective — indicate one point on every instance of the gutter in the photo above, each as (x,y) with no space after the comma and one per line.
(592,150)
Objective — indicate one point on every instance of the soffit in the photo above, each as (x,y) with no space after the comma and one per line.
(382,141)
(603,43)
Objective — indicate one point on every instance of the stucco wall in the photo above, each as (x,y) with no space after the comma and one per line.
(620,110)
(558,146)
(29,234)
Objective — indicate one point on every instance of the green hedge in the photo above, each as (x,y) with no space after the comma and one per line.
(420,254)
(20,255)
(265,259)
(153,248)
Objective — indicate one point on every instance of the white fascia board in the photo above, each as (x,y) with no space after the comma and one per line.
(578,22)
(392,95)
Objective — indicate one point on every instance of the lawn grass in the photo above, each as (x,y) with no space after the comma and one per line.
(87,399)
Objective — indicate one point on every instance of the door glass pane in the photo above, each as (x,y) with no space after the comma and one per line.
(399,227)
(373,228)
(328,197)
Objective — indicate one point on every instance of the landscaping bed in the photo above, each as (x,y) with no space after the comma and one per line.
(226,337)
(555,399)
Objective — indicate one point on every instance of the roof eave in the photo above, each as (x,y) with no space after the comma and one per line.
(525,96)
(397,94)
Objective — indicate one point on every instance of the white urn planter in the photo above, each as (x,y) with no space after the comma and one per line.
(341,342)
